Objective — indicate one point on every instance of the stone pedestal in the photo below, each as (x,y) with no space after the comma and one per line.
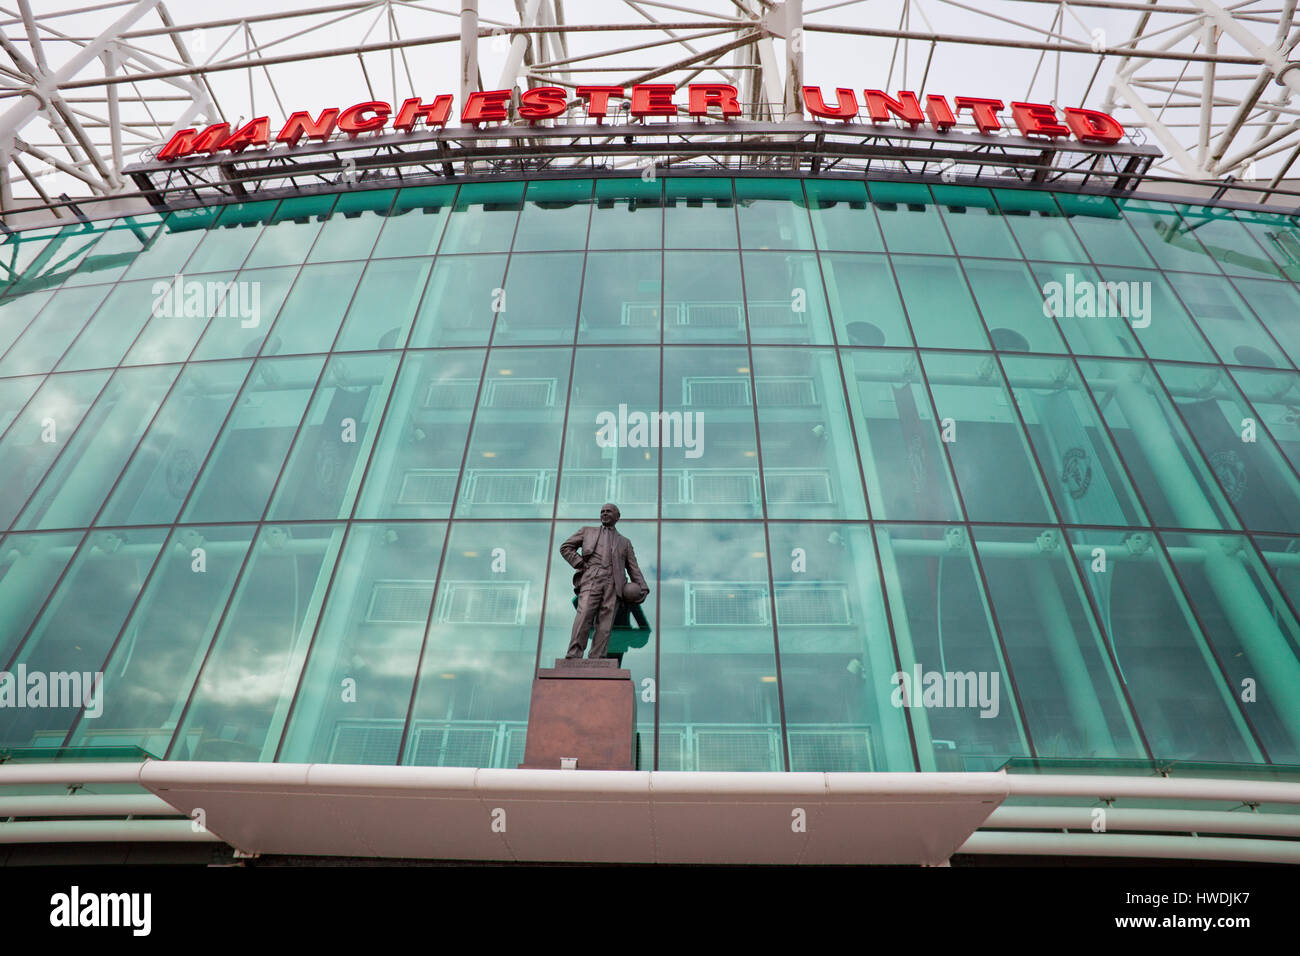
(583,709)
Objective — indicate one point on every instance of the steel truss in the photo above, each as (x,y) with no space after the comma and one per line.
(1211,84)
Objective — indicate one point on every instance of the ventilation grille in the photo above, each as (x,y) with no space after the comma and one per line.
(640,315)
(832,751)
(399,602)
(775,315)
(452,746)
(483,602)
(519,393)
(799,487)
(724,488)
(585,487)
(727,392)
(736,750)
(508,487)
(726,604)
(804,605)
(786,392)
(712,315)
(427,487)
(451,393)
(366,743)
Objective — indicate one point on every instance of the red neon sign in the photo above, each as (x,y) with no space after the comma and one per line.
(646,100)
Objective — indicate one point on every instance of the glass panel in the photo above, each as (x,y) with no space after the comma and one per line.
(351,228)
(1277,236)
(290,232)
(162,470)
(1281,555)
(1173,480)
(952,677)
(14,393)
(540,304)
(939,303)
(700,214)
(180,312)
(772,214)
(1105,234)
(20,249)
(76,630)
(244,316)
(1093,320)
(810,463)
(226,244)
(628,214)
(1274,396)
(710,472)
(413,226)
(555,215)
(1278,306)
(351,706)
(1255,476)
(483,219)
(515,444)
(53,330)
(841,218)
(1041,229)
(1187,709)
(784,299)
(1229,243)
(719,706)
(909,218)
(419,451)
(16,313)
(73,491)
(152,667)
(172,245)
(621,297)
(121,242)
(1254,634)
(461,300)
(703,301)
(384,304)
(243,693)
(975,222)
(906,468)
(329,455)
(58,259)
(836,652)
(1012,303)
(30,566)
(40,434)
(312,311)
(1085,475)
(237,478)
(478,662)
(990,456)
(611,452)
(864,300)
(1167,238)
(1226,321)
(1161,324)
(115,325)
(1068,686)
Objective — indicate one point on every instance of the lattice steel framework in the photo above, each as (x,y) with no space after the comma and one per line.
(86,93)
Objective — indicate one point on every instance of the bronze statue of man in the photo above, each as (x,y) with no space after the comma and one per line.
(606,558)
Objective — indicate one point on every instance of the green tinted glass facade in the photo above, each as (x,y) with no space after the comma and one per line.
(292,473)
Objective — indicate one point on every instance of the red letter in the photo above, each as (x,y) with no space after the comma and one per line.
(253,133)
(597,98)
(434,114)
(721,95)
(984,111)
(209,141)
(941,118)
(182,144)
(543,102)
(907,107)
(1092,126)
(301,122)
(1037,118)
(350,120)
(486,107)
(846,103)
(653,99)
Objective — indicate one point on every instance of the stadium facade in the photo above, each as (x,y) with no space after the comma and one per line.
(952,494)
